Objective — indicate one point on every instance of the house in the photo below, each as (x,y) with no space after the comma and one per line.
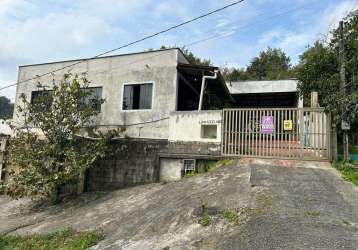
(157,97)
(175,114)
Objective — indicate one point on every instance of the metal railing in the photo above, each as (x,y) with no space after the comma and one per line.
(295,133)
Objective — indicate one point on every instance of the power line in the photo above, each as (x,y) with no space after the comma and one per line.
(233,31)
(130,44)
(217,36)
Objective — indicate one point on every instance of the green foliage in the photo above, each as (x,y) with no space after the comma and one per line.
(64,239)
(312,213)
(205,220)
(193,59)
(347,170)
(231,216)
(6,108)
(47,151)
(271,64)
(318,70)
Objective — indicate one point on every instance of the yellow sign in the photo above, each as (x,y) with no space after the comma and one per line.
(287,124)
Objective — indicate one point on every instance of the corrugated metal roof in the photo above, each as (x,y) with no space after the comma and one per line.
(252,87)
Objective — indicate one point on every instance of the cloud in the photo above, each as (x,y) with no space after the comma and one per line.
(39,31)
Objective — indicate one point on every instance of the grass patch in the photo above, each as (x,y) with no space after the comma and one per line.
(205,220)
(312,213)
(231,216)
(348,172)
(265,200)
(203,166)
(66,239)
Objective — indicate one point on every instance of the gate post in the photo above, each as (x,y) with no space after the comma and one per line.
(3,144)
(333,139)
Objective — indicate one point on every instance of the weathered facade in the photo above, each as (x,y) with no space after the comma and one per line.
(155,96)
(172,113)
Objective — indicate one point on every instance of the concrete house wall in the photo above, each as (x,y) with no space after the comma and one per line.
(111,73)
(187,126)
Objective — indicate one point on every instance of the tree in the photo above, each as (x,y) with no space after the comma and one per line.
(271,64)
(193,59)
(318,70)
(234,74)
(53,153)
(6,108)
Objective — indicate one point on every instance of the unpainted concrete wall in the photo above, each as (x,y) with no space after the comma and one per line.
(170,169)
(186,126)
(137,162)
(141,161)
(111,73)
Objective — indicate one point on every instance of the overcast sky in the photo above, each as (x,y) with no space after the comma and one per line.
(35,31)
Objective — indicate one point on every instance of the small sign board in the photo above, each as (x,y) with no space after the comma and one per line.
(345,125)
(287,125)
(267,126)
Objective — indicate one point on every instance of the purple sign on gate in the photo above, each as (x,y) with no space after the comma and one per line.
(267,126)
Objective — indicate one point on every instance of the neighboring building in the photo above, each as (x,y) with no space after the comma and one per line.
(266,94)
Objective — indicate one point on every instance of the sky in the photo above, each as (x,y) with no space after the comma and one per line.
(38,31)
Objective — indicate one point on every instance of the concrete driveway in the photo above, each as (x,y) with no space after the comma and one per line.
(279,205)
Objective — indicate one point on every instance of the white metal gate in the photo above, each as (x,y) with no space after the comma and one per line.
(277,133)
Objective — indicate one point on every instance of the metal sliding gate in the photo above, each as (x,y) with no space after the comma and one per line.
(297,133)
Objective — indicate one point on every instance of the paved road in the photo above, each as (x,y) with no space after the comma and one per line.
(280,205)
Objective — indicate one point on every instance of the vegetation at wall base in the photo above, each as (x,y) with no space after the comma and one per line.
(348,170)
(48,151)
(67,239)
(205,219)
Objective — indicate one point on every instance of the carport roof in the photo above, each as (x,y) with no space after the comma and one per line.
(254,87)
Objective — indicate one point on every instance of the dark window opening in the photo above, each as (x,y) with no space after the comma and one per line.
(137,96)
(41,100)
(188,98)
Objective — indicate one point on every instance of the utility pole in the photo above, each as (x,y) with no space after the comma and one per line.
(342,59)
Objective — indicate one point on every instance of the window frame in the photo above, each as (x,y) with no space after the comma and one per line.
(208,125)
(90,88)
(101,97)
(137,83)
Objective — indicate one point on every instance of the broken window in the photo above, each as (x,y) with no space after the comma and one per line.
(137,96)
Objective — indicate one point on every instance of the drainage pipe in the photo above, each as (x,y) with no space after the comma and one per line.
(203,87)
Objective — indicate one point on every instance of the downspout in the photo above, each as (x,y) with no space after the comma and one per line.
(203,87)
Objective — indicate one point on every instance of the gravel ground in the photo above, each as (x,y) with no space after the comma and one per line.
(277,205)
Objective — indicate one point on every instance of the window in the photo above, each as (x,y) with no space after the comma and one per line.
(209,131)
(93,98)
(189,166)
(40,96)
(41,100)
(137,96)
